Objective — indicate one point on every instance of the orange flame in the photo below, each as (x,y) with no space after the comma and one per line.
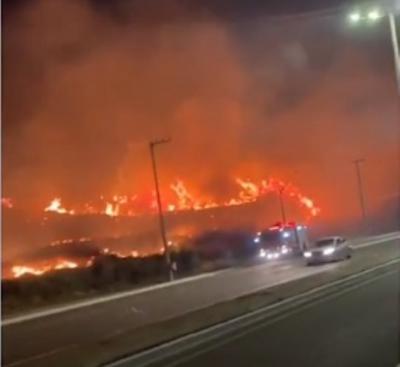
(20,270)
(7,203)
(250,191)
(55,206)
(185,200)
(111,210)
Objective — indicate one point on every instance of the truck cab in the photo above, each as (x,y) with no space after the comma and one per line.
(282,240)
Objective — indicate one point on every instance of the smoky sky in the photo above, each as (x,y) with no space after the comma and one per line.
(87,84)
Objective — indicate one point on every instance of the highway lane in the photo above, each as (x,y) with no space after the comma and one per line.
(42,335)
(357,328)
(30,342)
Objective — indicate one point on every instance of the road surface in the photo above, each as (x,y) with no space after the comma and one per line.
(33,340)
(357,328)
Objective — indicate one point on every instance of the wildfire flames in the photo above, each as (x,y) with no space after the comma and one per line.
(20,270)
(7,203)
(183,200)
(55,206)
(249,191)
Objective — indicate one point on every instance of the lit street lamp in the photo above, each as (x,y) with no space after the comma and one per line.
(372,16)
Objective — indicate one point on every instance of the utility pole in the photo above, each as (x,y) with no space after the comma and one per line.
(283,213)
(395,47)
(357,164)
(167,254)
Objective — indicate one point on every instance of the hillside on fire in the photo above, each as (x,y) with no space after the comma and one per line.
(262,121)
(125,228)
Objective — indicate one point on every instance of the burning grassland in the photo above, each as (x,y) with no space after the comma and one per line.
(182,199)
(87,87)
(135,230)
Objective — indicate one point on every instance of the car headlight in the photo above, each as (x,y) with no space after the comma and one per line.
(284,250)
(270,256)
(307,254)
(256,240)
(262,253)
(328,251)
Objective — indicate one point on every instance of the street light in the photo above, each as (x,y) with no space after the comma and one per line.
(372,16)
(167,254)
(354,17)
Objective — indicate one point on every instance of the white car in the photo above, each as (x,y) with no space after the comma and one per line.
(328,249)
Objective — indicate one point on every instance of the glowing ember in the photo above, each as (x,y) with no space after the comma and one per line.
(7,203)
(70,241)
(20,270)
(114,208)
(171,207)
(250,191)
(55,206)
(65,264)
(47,266)
(111,210)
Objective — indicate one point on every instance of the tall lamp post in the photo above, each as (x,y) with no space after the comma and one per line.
(167,254)
(357,164)
(373,15)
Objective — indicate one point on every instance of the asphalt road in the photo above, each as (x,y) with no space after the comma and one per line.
(31,341)
(358,328)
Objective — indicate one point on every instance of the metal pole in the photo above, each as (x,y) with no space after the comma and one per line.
(395,46)
(282,205)
(160,211)
(357,163)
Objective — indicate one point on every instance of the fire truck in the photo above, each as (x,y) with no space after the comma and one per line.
(282,240)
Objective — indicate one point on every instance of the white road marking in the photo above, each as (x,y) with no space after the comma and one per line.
(375,242)
(91,302)
(296,276)
(133,358)
(240,334)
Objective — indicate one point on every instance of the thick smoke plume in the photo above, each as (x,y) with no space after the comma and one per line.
(86,86)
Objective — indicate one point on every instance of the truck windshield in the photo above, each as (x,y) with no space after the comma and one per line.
(271,238)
